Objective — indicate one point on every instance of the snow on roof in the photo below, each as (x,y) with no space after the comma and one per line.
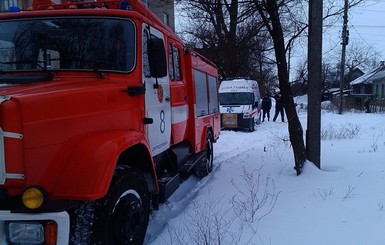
(379,75)
(332,90)
(368,77)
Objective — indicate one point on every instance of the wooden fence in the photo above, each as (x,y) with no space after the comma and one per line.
(378,107)
(354,102)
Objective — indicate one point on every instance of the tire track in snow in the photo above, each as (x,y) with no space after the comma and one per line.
(188,190)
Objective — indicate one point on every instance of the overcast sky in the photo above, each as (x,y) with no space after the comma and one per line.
(366,25)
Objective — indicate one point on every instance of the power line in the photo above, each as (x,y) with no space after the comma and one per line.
(370,26)
(368,10)
(372,34)
(369,40)
(360,26)
(364,40)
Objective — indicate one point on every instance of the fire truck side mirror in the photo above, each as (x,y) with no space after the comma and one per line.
(157,57)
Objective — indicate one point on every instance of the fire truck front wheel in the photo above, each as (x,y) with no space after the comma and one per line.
(205,166)
(121,217)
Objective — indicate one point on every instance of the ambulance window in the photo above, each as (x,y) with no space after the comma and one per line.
(177,64)
(146,63)
(171,62)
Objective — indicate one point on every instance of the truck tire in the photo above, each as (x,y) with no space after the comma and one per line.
(121,217)
(205,166)
(81,223)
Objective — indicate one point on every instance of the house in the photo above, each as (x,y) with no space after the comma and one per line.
(333,88)
(379,86)
(351,76)
(363,85)
(163,9)
(371,84)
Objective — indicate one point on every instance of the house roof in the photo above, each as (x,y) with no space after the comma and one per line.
(379,75)
(371,75)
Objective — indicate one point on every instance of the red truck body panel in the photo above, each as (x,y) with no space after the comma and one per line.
(101,106)
(75,127)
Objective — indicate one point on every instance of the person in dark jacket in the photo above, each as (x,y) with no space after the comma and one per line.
(266,106)
(279,107)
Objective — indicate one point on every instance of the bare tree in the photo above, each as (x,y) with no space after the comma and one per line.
(284,20)
(358,55)
(270,12)
(229,33)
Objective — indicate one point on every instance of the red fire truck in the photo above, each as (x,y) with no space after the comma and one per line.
(103,113)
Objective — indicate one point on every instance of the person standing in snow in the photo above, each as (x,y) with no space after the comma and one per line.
(279,107)
(266,106)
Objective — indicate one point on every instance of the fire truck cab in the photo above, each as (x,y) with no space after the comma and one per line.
(103,113)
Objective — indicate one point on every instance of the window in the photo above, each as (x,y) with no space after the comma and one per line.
(231,99)
(174,63)
(213,87)
(177,64)
(166,19)
(146,61)
(71,43)
(171,62)
(202,102)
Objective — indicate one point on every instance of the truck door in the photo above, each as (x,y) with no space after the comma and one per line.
(157,98)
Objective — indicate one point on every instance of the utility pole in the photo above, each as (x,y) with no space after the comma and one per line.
(345,41)
(313,133)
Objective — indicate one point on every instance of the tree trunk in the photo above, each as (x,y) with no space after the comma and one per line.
(294,125)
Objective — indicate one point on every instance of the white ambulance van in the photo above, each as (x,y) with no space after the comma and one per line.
(240,104)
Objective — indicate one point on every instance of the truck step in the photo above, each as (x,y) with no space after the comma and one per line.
(168,183)
(189,165)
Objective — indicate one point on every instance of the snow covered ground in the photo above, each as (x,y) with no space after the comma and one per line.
(253,195)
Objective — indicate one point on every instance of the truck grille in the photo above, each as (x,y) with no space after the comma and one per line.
(3,174)
(3,134)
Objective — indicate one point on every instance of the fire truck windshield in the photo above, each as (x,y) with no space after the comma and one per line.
(236,98)
(72,43)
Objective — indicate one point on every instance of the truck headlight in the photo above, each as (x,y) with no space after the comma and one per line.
(25,233)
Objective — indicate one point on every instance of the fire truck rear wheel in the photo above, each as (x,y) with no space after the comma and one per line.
(205,166)
(122,216)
